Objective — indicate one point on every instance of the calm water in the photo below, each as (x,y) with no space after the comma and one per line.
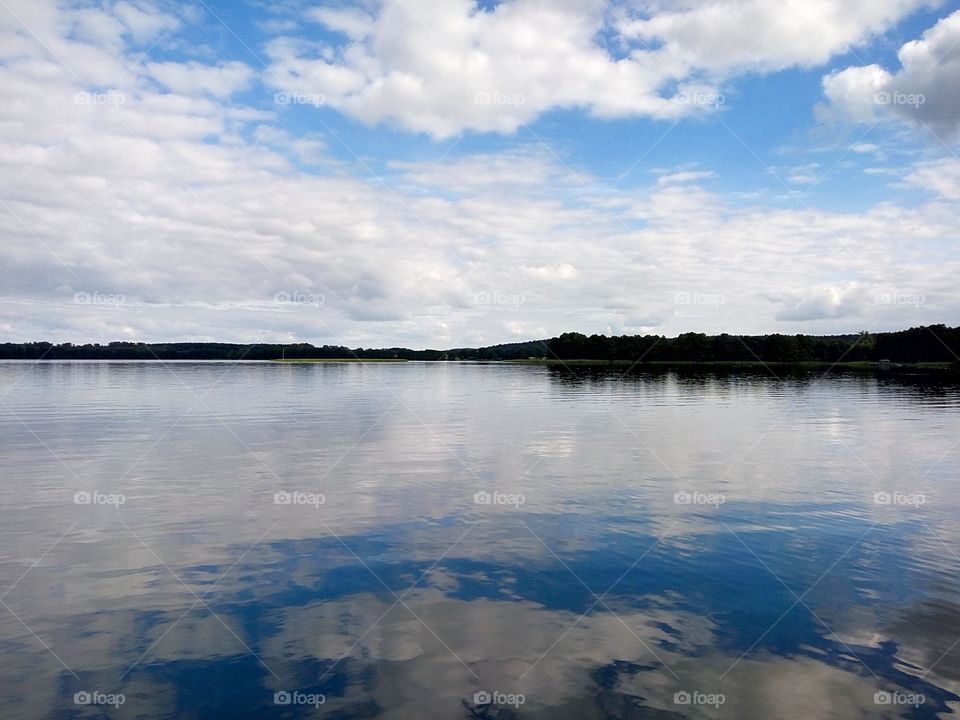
(266,541)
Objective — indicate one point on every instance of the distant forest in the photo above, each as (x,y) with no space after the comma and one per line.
(932,344)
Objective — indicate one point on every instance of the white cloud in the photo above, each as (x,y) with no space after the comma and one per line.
(941,177)
(808,174)
(561,271)
(352,22)
(145,20)
(523,170)
(722,35)
(684,177)
(442,68)
(926,88)
(823,303)
(855,91)
(194,78)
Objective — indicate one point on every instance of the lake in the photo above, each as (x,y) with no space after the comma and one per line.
(255,540)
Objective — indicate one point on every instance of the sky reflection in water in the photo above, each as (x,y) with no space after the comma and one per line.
(791,593)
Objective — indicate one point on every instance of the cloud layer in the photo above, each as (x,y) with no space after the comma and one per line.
(163,199)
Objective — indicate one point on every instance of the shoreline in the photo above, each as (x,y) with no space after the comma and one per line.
(751,364)
(337,360)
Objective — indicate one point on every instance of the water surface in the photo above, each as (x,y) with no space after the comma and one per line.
(669,545)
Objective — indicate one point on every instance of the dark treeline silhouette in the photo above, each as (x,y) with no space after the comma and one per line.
(936,343)
(230,351)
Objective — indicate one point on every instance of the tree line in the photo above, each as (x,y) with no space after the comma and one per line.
(935,343)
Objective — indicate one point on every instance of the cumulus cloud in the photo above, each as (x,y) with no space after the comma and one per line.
(925,89)
(449,67)
(722,35)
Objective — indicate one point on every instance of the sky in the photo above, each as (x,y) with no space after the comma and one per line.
(449,173)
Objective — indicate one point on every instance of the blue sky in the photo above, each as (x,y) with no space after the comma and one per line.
(450,173)
(773,113)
